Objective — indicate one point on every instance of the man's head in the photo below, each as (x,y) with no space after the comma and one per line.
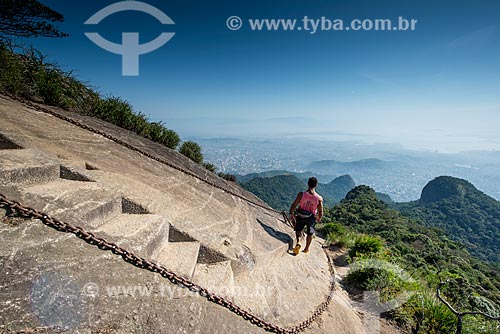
(312,182)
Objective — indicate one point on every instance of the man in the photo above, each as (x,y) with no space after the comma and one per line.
(308,213)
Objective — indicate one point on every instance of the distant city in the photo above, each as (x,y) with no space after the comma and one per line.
(388,168)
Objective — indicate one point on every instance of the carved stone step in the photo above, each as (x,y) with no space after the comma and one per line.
(142,234)
(180,257)
(82,203)
(216,277)
(27,166)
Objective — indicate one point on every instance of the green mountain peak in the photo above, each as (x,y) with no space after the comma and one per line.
(444,187)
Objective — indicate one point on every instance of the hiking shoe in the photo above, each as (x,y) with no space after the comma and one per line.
(296,249)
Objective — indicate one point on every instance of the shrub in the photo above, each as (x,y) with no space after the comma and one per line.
(338,235)
(424,314)
(170,138)
(228,177)
(343,241)
(479,303)
(480,325)
(116,111)
(366,246)
(381,276)
(335,228)
(210,167)
(192,150)
(30,76)
(120,112)
(10,72)
(49,86)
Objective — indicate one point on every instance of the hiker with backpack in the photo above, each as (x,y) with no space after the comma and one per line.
(305,212)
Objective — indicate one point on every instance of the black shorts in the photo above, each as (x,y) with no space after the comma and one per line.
(309,223)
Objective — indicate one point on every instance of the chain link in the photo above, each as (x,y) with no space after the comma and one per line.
(133,148)
(140,262)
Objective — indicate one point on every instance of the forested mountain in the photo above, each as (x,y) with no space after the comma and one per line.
(387,235)
(302,175)
(336,190)
(280,191)
(277,191)
(465,213)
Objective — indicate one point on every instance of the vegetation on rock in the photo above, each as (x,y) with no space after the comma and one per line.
(465,213)
(371,230)
(27,74)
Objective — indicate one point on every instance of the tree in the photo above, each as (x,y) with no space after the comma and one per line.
(192,150)
(461,314)
(28,18)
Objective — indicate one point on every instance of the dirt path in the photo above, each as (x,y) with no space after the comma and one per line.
(339,257)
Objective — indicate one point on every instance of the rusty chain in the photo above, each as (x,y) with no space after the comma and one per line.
(133,148)
(145,264)
(127,256)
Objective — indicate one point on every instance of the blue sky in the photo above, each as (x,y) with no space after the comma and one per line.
(434,88)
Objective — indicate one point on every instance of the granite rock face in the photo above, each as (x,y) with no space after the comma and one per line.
(55,280)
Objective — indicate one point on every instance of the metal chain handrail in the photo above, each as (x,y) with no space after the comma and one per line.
(30,213)
(133,148)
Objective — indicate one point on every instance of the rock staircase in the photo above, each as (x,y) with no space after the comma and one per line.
(69,194)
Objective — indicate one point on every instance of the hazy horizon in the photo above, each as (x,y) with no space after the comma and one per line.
(424,143)
(400,172)
(434,88)
(449,144)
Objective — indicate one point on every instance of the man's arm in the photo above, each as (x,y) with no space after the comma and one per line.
(320,211)
(295,204)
